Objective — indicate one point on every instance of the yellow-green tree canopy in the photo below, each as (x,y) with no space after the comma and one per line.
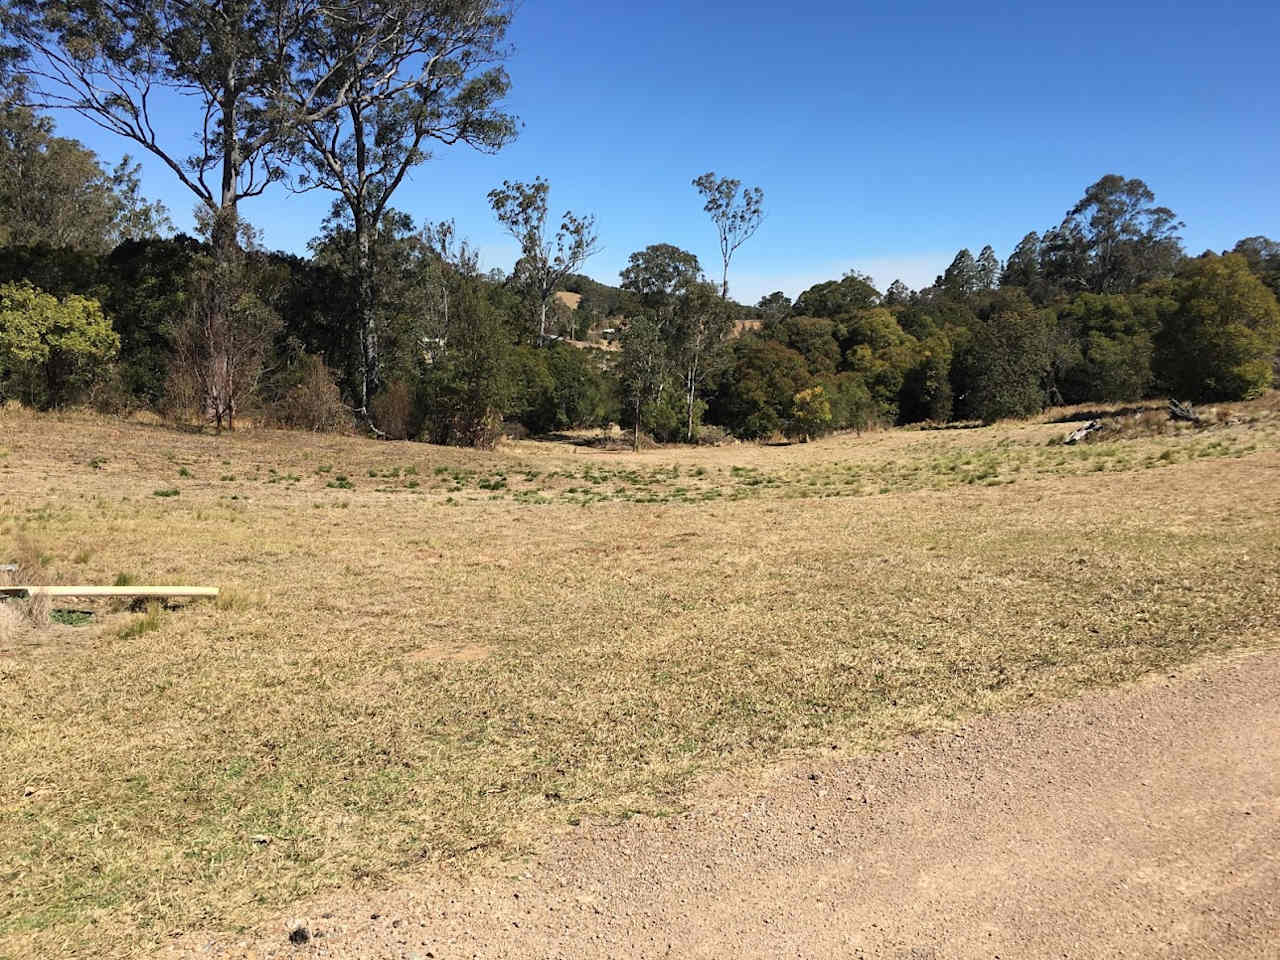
(51,350)
(810,413)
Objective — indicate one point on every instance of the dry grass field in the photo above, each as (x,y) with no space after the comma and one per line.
(426,653)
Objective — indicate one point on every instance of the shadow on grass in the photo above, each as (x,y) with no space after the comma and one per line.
(1104,413)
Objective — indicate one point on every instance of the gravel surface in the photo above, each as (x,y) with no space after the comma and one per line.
(1138,822)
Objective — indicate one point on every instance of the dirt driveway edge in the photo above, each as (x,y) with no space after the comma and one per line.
(1142,821)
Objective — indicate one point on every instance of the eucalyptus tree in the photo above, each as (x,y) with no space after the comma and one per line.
(1263,256)
(1127,239)
(123,65)
(703,326)
(961,278)
(1022,269)
(642,368)
(737,215)
(774,307)
(53,191)
(120,64)
(835,298)
(384,79)
(692,321)
(545,260)
(659,274)
(898,294)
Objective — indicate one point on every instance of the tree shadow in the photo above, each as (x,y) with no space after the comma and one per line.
(1077,416)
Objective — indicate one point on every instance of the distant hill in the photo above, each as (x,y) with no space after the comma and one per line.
(605,301)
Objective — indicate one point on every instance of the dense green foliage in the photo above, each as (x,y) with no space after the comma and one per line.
(1101,308)
(51,349)
(1219,339)
(389,323)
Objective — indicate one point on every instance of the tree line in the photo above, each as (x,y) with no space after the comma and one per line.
(389,324)
(1104,307)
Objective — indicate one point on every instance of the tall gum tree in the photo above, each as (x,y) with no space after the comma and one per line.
(120,63)
(693,323)
(116,64)
(736,212)
(545,260)
(1127,239)
(400,74)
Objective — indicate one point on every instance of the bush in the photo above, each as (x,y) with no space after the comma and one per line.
(110,396)
(392,411)
(810,414)
(315,402)
(181,401)
(475,427)
(52,351)
(561,387)
(710,435)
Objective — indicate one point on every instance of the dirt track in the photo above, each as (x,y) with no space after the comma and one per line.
(1142,822)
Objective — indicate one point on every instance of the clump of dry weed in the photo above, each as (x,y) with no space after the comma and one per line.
(30,560)
(237,598)
(11,620)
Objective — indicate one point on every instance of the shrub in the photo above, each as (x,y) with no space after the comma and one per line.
(392,411)
(561,387)
(315,402)
(710,435)
(52,351)
(109,395)
(223,336)
(181,402)
(810,414)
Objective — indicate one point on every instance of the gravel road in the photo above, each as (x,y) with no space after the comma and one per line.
(1137,822)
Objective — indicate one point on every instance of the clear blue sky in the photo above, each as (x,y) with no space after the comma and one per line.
(884,140)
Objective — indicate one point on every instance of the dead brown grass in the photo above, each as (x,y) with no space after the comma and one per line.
(451,669)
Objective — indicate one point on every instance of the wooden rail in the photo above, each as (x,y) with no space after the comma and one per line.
(32,591)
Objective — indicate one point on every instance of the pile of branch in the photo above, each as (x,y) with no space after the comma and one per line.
(1183,411)
(1075,436)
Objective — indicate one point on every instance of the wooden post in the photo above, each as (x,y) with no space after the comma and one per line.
(87,591)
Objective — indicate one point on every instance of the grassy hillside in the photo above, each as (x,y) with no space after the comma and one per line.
(424,652)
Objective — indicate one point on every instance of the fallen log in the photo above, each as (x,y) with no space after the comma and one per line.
(1183,411)
(1075,436)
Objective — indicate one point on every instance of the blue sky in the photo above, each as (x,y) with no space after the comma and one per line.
(884,139)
